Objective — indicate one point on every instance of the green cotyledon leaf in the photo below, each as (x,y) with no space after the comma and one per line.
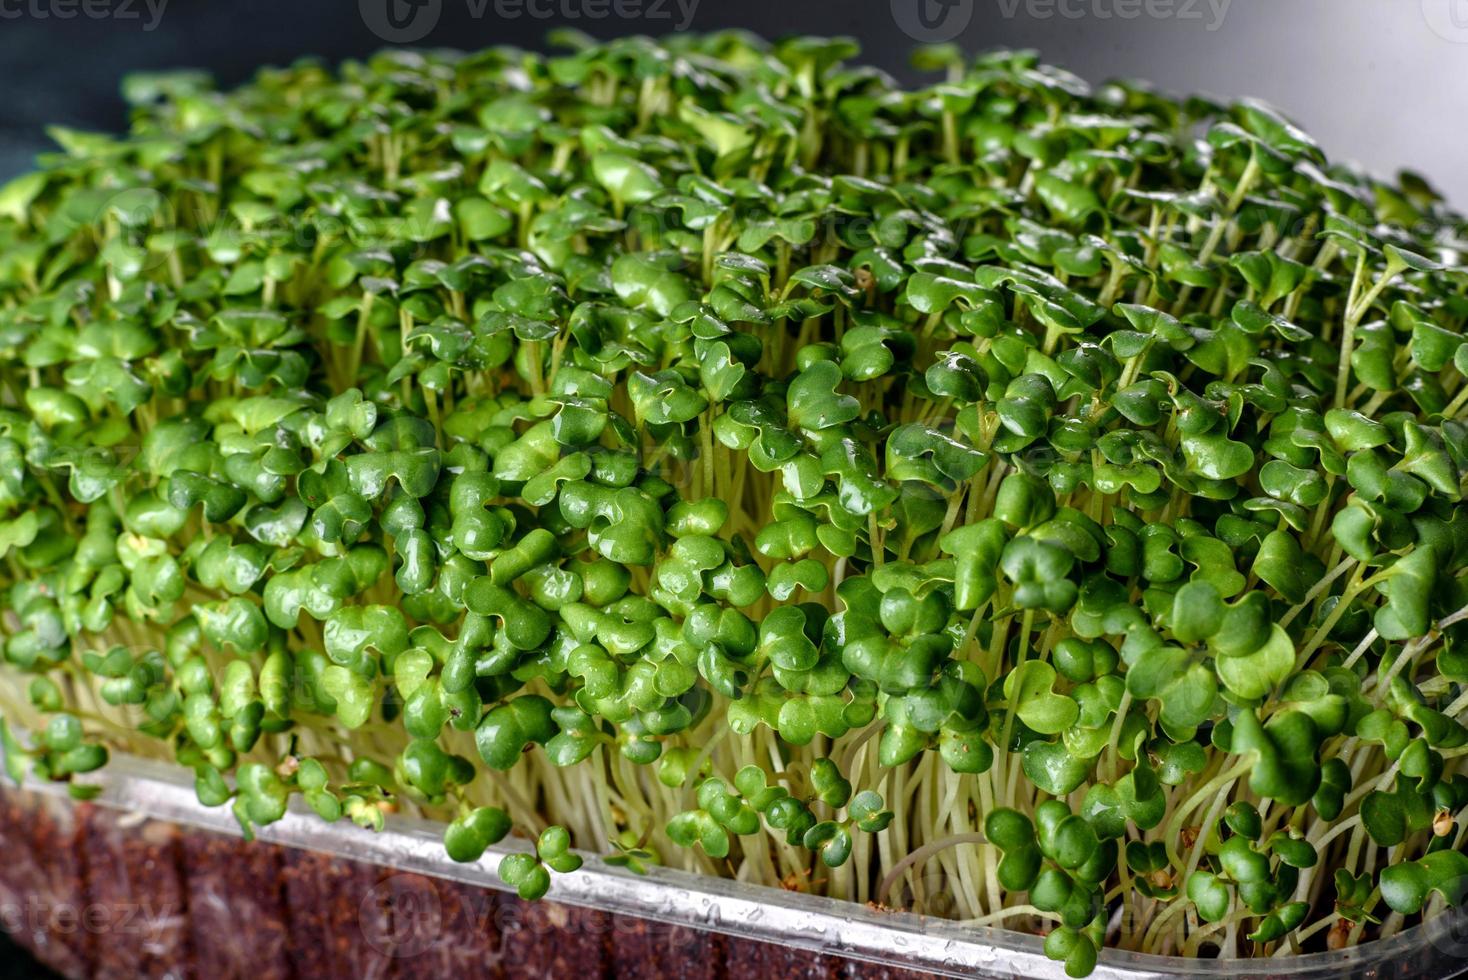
(815,403)
(509,729)
(1029,689)
(1408,591)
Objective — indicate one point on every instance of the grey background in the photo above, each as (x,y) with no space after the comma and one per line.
(1384,82)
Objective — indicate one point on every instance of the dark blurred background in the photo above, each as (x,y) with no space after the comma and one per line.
(1383,82)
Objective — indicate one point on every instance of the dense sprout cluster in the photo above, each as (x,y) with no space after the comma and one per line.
(1001,499)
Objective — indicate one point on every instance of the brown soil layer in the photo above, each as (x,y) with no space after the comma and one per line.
(92,892)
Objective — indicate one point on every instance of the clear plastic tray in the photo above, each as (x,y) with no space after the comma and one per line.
(1437,949)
